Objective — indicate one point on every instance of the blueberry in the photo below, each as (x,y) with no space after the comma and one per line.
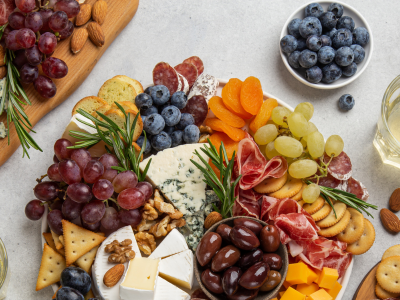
(160,94)
(293,28)
(177,138)
(143,118)
(349,70)
(169,129)
(288,43)
(179,99)
(301,44)
(326,55)
(328,20)
(186,120)
(326,40)
(360,36)
(313,10)
(346,22)
(337,9)
(331,33)
(344,56)
(161,107)
(143,100)
(161,141)
(310,26)
(359,53)
(342,37)
(314,74)
(191,134)
(140,142)
(307,58)
(154,124)
(67,293)
(314,43)
(149,111)
(171,115)
(294,59)
(148,90)
(346,102)
(331,73)
(76,278)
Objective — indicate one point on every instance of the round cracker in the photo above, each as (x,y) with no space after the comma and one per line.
(322,213)
(337,228)
(392,251)
(312,208)
(270,185)
(388,274)
(382,294)
(299,195)
(291,188)
(365,242)
(355,229)
(331,219)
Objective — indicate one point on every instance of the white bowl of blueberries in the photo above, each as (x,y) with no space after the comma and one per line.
(326,45)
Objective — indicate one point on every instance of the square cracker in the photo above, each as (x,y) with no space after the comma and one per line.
(56,239)
(50,268)
(78,241)
(86,261)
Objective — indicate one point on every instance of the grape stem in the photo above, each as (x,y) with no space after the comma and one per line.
(113,200)
(39,180)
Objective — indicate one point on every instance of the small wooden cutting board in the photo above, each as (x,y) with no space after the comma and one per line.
(119,14)
(366,289)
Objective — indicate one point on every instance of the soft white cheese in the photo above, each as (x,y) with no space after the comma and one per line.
(178,269)
(168,291)
(3,130)
(173,243)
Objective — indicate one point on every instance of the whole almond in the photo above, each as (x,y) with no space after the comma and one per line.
(2,55)
(99,11)
(390,220)
(113,275)
(79,39)
(96,34)
(3,72)
(213,218)
(394,202)
(84,15)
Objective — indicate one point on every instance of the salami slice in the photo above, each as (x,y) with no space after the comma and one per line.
(340,166)
(166,75)
(205,85)
(198,108)
(189,71)
(328,181)
(184,83)
(357,188)
(197,62)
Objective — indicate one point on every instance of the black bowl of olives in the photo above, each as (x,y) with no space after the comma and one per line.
(241,258)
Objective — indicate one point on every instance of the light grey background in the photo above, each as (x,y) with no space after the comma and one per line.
(234,39)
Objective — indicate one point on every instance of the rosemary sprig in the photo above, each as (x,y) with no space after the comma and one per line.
(118,139)
(223,186)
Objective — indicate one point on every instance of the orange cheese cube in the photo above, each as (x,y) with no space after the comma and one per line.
(328,278)
(297,273)
(274,299)
(312,276)
(281,294)
(335,290)
(287,284)
(307,289)
(318,274)
(320,295)
(292,294)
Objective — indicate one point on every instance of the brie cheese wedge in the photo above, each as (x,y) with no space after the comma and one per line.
(178,269)
(168,291)
(173,243)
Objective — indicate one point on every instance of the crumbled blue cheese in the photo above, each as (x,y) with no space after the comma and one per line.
(3,130)
(211,198)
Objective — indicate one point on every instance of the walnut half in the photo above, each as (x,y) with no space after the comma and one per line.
(146,242)
(160,229)
(149,212)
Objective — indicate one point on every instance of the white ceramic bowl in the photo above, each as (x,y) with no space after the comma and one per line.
(359,21)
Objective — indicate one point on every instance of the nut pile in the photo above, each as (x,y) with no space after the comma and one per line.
(121,252)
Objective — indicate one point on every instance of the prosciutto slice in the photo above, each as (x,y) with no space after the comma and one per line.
(295,226)
(246,203)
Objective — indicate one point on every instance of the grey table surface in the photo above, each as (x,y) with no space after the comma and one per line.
(234,39)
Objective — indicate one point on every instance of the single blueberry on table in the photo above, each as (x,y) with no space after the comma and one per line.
(154,124)
(143,100)
(331,33)
(301,44)
(349,70)
(313,10)
(314,74)
(310,26)
(308,58)
(344,56)
(177,138)
(293,28)
(346,22)
(171,115)
(149,111)
(326,55)
(294,59)
(346,102)
(314,43)
(186,120)
(288,43)
(328,20)
(160,94)
(179,99)
(140,142)
(337,9)
(360,36)
(76,278)
(148,90)
(326,40)
(67,293)
(191,134)
(342,37)
(161,141)
(331,73)
(359,53)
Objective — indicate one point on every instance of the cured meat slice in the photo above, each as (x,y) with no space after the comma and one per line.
(6,8)
(195,60)
(328,181)
(246,203)
(184,84)
(166,75)
(198,108)
(357,188)
(205,85)
(267,203)
(189,71)
(295,226)
(340,167)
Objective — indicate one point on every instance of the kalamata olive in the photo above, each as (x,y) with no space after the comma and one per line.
(244,238)
(274,278)
(243,294)
(199,294)
(273,260)
(269,238)
(230,280)
(208,246)
(225,258)
(223,230)
(250,224)
(255,276)
(250,258)
(212,281)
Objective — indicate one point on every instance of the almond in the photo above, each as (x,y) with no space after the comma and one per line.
(113,275)
(99,11)
(79,39)
(84,15)
(96,34)
(2,55)
(390,220)
(394,202)
(3,72)
(213,218)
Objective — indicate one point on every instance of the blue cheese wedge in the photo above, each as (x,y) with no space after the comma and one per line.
(3,130)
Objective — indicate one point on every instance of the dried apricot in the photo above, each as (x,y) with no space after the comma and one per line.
(230,145)
(231,98)
(251,95)
(235,134)
(221,112)
(263,115)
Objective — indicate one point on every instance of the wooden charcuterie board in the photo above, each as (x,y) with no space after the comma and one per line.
(366,289)
(80,65)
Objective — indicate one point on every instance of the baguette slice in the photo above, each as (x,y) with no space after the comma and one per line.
(136,84)
(126,105)
(102,109)
(89,104)
(116,90)
(118,117)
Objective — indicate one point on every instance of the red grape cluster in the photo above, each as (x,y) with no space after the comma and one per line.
(33,35)
(87,188)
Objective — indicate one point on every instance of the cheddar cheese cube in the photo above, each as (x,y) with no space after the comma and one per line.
(328,278)
(307,289)
(321,294)
(297,273)
(292,294)
(335,290)
(281,294)
(287,284)
(312,276)
(318,274)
